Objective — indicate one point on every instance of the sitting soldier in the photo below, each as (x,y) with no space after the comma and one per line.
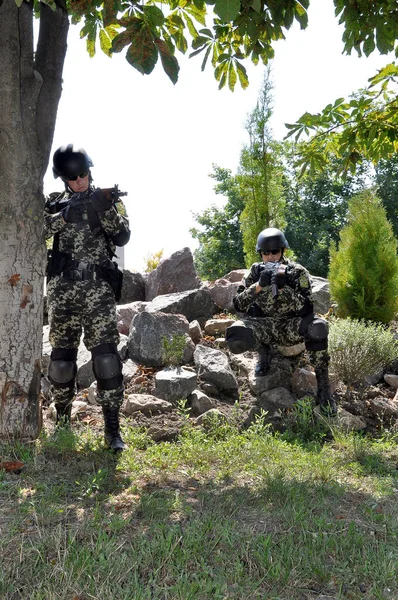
(276,298)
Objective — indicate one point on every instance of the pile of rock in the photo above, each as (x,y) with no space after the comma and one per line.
(172,303)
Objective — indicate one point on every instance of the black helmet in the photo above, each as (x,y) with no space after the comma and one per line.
(69,161)
(271,238)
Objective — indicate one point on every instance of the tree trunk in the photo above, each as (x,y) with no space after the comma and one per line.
(29,96)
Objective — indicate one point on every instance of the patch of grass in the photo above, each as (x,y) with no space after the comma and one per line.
(218,514)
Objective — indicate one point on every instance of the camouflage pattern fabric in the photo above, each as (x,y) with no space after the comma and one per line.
(76,306)
(282,315)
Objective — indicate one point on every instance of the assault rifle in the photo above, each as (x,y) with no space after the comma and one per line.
(113,193)
(274,267)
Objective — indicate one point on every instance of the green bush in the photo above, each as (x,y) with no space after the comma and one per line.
(363,271)
(359,349)
(173,350)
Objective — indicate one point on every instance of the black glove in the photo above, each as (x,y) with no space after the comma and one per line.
(73,213)
(265,278)
(101,201)
(279,278)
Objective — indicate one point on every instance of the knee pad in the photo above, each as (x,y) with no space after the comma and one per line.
(315,332)
(62,368)
(239,338)
(107,367)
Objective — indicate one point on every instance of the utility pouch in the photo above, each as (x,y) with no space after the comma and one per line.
(114,276)
(56,263)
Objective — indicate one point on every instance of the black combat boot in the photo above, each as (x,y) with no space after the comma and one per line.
(113,438)
(264,361)
(63,414)
(324,397)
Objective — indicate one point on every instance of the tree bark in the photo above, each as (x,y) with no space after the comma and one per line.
(25,141)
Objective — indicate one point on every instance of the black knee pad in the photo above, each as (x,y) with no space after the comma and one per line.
(315,332)
(239,339)
(63,368)
(107,367)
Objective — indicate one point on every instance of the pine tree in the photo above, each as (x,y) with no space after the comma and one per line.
(363,271)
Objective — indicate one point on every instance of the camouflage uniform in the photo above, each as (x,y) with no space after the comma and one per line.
(88,305)
(280,320)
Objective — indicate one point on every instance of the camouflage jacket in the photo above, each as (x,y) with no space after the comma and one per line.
(78,239)
(294,300)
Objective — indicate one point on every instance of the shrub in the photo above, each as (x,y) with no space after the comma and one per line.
(152,261)
(359,349)
(173,350)
(363,271)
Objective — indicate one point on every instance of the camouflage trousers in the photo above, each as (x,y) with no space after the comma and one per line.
(283,332)
(82,306)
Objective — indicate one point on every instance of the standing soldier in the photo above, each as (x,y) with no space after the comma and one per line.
(277,299)
(82,284)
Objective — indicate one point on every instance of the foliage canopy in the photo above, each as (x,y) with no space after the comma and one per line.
(157,28)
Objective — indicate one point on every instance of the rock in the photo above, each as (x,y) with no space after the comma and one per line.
(130,368)
(274,379)
(223,293)
(391,380)
(304,383)
(278,398)
(344,420)
(125,314)
(77,407)
(385,407)
(174,384)
(200,403)
(193,304)
(195,331)
(321,295)
(148,333)
(174,274)
(221,343)
(92,394)
(213,367)
(122,347)
(291,350)
(163,434)
(133,288)
(208,417)
(217,326)
(146,404)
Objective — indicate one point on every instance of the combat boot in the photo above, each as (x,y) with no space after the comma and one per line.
(264,361)
(64,412)
(324,397)
(113,438)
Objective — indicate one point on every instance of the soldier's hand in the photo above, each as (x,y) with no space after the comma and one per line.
(73,214)
(279,278)
(101,201)
(265,278)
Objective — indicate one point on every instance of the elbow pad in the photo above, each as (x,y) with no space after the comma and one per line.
(121,238)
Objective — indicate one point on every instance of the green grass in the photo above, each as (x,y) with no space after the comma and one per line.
(220,514)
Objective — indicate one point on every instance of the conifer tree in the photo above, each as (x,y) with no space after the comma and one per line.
(363,271)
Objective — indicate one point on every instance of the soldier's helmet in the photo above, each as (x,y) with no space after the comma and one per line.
(69,161)
(271,238)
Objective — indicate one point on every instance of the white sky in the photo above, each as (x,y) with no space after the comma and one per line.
(159,141)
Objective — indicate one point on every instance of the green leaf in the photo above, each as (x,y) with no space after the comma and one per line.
(105,42)
(227,10)
(369,44)
(142,53)
(242,75)
(232,77)
(154,15)
(169,61)
(90,44)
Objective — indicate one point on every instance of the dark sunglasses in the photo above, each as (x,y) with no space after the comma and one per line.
(74,177)
(274,252)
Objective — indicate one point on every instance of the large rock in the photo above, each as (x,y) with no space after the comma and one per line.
(175,384)
(125,314)
(133,287)
(145,404)
(193,304)
(223,293)
(148,332)
(213,367)
(321,293)
(174,274)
